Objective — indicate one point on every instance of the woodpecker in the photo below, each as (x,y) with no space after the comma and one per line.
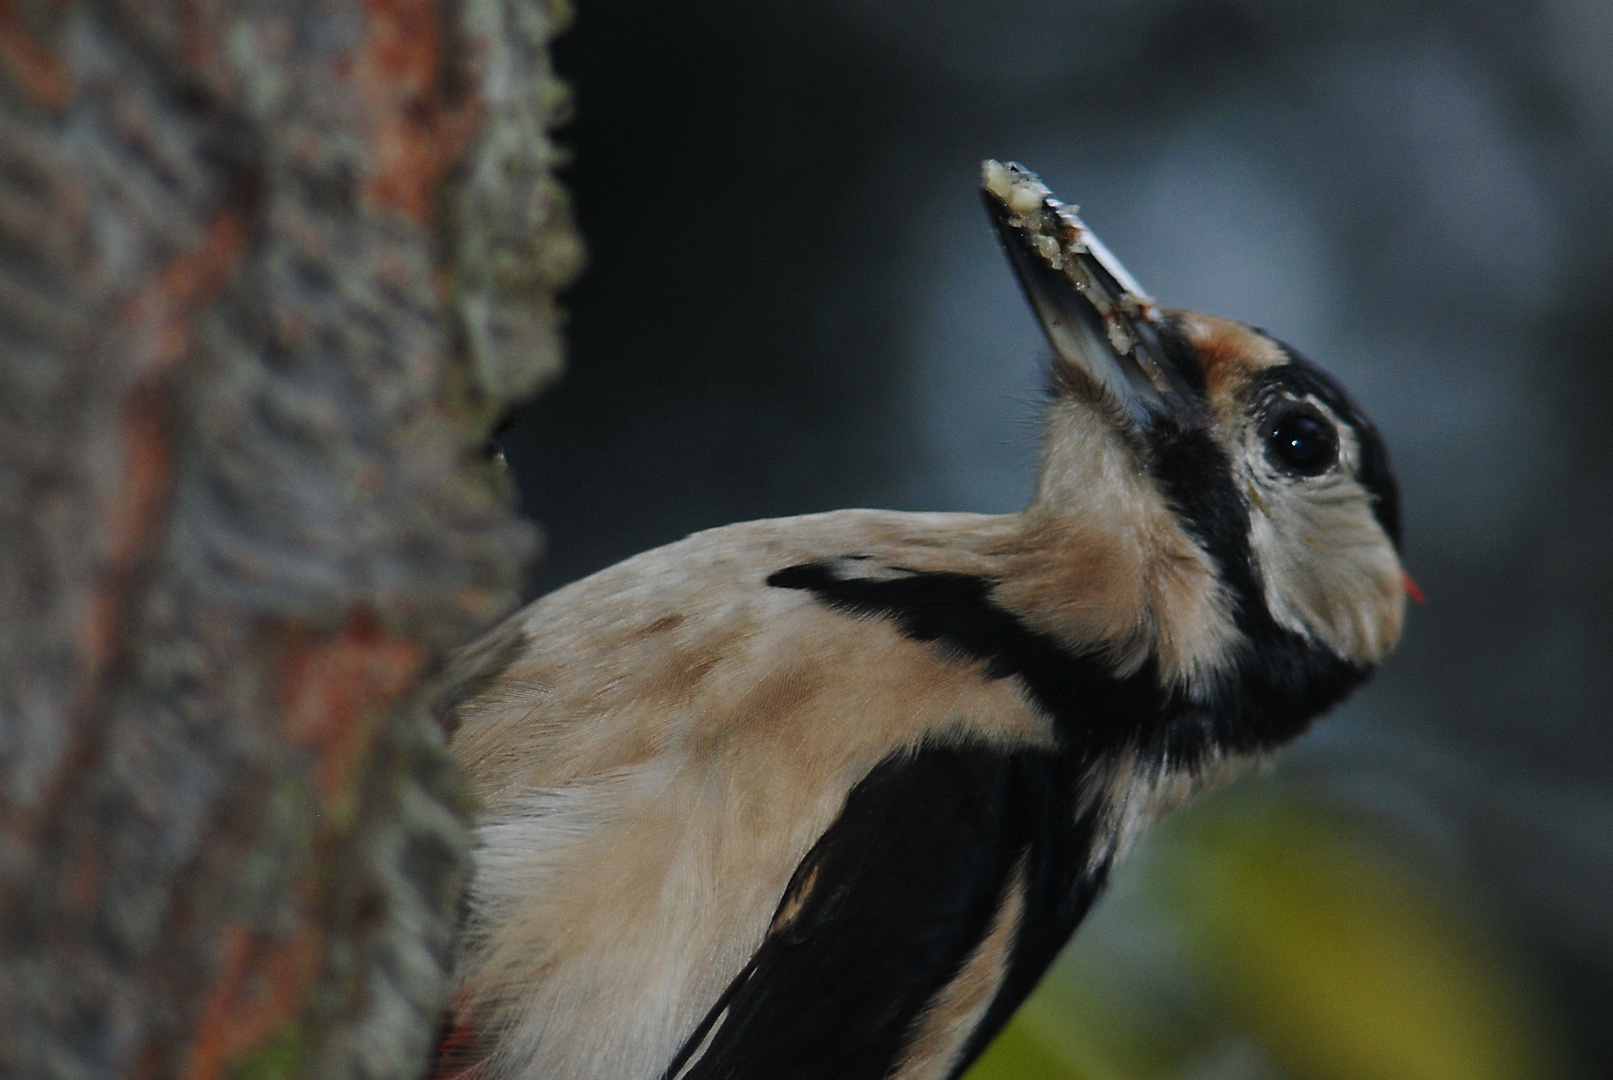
(823,796)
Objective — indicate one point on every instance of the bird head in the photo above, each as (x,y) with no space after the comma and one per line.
(1219,448)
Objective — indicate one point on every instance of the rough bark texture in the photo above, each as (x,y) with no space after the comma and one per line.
(267,271)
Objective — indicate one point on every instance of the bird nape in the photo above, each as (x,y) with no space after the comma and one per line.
(822,797)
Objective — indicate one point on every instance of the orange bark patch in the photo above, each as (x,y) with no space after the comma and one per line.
(134,510)
(334,692)
(163,315)
(31,66)
(183,286)
(414,139)
(258,990)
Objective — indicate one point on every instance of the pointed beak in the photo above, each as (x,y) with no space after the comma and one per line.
(1096,317)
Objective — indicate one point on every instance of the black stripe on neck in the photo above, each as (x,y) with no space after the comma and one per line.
(1095,711)
(1275,687)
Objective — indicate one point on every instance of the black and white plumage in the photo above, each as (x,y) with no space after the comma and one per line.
(822,797)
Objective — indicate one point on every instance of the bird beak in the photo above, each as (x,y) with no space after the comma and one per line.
(1095,315)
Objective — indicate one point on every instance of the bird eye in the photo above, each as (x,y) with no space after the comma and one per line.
(1302,441)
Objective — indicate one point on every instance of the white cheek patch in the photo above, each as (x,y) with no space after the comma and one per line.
(1329,570)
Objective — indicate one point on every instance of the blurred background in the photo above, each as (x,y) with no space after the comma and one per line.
(795,304)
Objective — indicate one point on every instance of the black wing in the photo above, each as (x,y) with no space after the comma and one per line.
(886,908)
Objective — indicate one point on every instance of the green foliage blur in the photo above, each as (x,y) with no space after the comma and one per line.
(1270,934)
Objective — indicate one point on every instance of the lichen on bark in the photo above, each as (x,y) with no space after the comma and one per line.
(515,245)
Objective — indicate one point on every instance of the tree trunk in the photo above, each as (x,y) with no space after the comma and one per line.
(268,272)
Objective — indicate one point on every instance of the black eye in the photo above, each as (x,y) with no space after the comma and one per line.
(1302,441)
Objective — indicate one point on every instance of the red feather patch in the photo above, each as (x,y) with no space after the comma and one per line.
(1411,588)
(457,1052)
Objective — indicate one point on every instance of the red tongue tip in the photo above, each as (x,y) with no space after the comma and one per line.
(1411,588)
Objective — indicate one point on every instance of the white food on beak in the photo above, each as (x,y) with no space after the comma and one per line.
(1020,191)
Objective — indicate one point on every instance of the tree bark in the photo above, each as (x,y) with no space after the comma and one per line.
(269,269)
